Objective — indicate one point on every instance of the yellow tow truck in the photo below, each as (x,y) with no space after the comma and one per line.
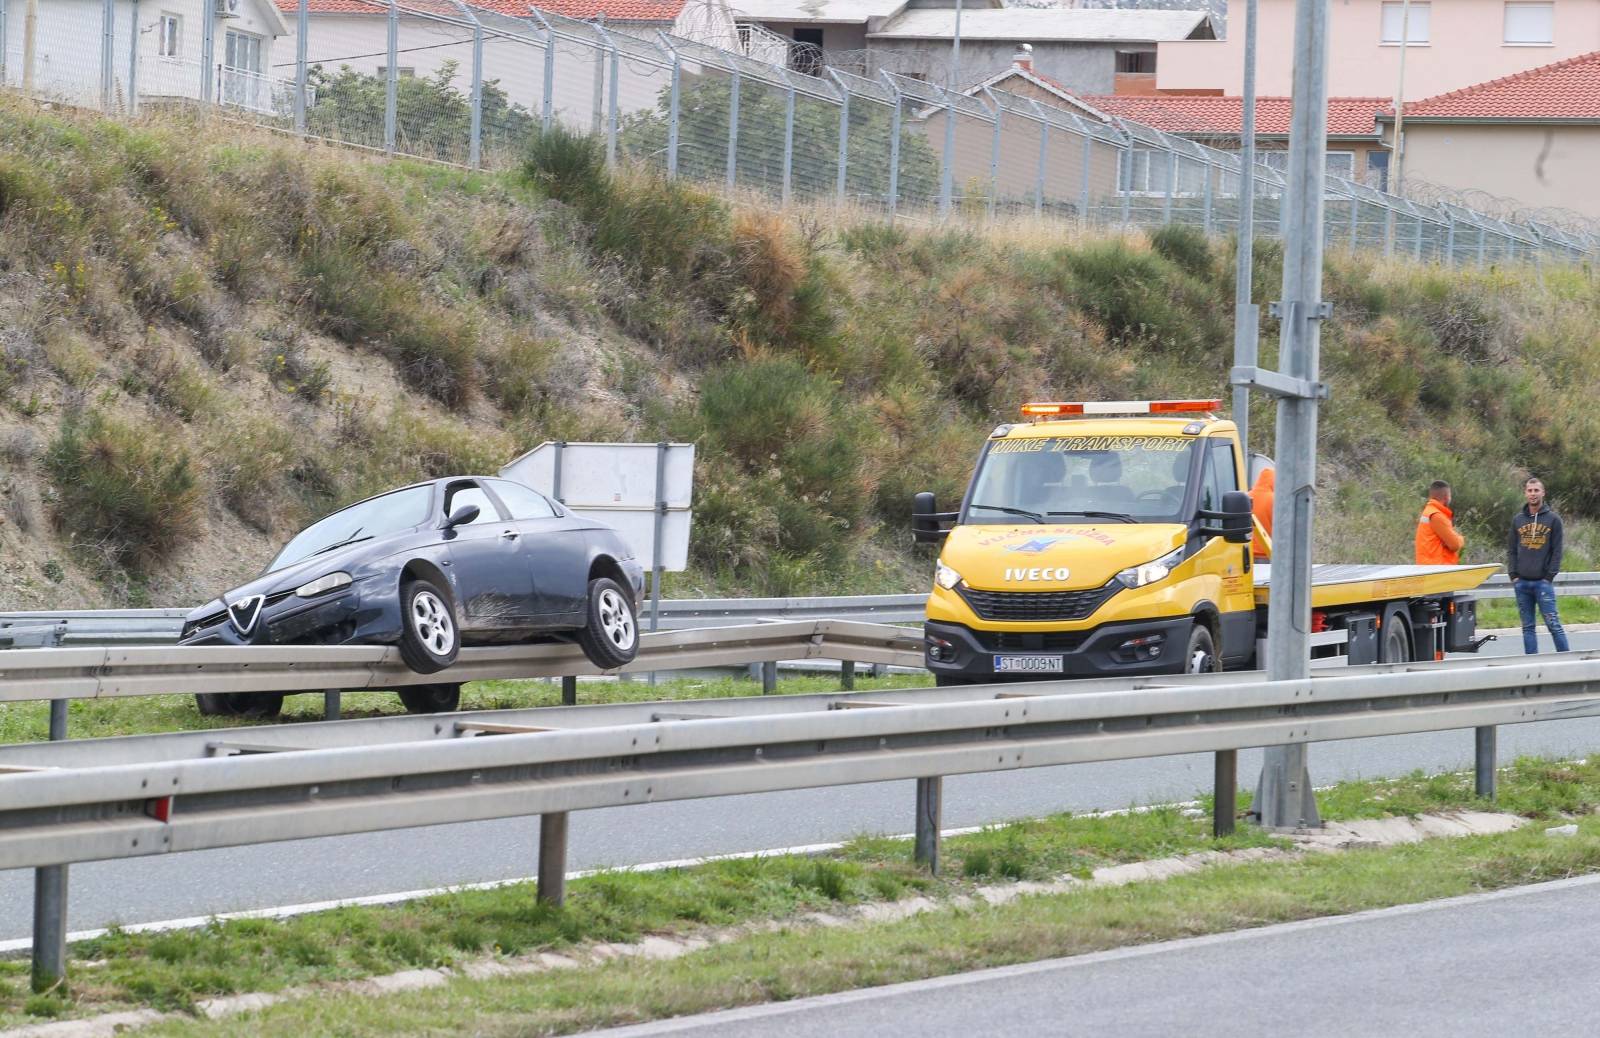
(1115,537)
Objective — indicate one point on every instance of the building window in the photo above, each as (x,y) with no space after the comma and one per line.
(1140,62)
(1416,21)
(1530,25)
(1378,170)
(171,35)
(1341,164)
(806,54)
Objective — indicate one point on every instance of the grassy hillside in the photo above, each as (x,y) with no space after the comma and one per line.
(207,337)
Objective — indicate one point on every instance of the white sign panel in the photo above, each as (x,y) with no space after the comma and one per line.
(616,483)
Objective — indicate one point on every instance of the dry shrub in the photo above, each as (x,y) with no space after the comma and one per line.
(770,264)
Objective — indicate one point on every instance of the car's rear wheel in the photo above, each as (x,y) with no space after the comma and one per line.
(239,704)
(430,699)
(430,638)
(610,634)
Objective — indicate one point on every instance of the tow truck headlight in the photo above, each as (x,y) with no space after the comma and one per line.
(945,577)
(322,585)
(1150,572)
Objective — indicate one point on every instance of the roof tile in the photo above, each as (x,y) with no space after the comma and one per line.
(1223,116)
(614,10)
(1567,89)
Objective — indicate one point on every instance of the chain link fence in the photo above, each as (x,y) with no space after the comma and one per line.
(471,84)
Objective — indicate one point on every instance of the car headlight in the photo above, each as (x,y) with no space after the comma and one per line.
(1150,572)
(322,585)
(945,577)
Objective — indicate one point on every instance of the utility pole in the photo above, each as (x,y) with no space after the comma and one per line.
(30,36)
(1284,798)
(1246,315)
(1396,181)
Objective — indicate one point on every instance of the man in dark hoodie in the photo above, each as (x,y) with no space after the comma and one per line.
(1533,558)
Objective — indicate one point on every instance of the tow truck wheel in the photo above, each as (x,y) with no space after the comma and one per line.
(1201,657)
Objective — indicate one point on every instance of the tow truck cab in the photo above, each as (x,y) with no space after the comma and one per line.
(1100,538)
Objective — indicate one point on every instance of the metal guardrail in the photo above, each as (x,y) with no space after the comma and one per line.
(289,783)
(161,626)
(105,672)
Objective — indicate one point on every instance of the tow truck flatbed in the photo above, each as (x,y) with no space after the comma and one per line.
(1343,585)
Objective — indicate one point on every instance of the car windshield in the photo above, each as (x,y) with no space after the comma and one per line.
(1101,479)
(378,517)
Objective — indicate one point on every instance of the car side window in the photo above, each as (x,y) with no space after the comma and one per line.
(1222,463)
(524,502)
(468,494)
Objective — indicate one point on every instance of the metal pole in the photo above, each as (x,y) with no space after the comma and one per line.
(391,80)
(50,896)
(1355,222)
(847,675)
(569,691)
(1088,159)
(1044,159)
(769,677)
(733,129)
(1397,182)
(30,34)
(1285,798)
(672,116)
(656,532)
(1484,739)
(1246,315)
(302,67)
(556,466)
(994,154)
(894,147)
(547,103)
(4,7)
(331,702)
(1450,239)
(108,41)
(842,185)
(930,809)
(947,175)
(208,49)
(1125,174)
(1206,219)
(1172,185)
(788,136)
(955,52)
(611,106)
(475,136)
(596,120)
(1225,792)
(552,858)
(133,54)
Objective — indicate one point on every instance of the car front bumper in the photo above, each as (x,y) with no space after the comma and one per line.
(953,650)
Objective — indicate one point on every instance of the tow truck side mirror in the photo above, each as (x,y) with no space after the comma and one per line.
(1234,519)
(1237,514)
(927,523)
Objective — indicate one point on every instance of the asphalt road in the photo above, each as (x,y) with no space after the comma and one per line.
(235,879)
(1515,962)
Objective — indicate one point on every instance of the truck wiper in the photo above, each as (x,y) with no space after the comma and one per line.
(1122,517)
(1035,516)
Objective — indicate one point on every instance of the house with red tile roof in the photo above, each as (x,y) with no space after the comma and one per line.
(1533,137)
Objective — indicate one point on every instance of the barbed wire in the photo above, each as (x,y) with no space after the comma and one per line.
(1501,207)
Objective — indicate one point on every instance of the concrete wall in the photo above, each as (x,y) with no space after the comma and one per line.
(1465,47)
(1535,165)
(1088,68)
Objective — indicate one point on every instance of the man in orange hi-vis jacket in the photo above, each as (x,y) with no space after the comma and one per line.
(1261,505)
(1438,543)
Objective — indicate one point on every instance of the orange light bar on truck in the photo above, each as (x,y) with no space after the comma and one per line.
(1041,409)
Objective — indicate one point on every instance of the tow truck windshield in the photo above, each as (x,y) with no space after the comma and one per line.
(1123,479)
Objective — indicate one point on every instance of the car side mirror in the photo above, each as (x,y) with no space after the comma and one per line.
(927,523)
(1233,523)
(462,516)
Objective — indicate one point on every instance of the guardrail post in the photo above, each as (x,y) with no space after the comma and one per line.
(930,809)
(331,703)
(1225,791)
(769,677)
(847,675)
(569,691)
(1485,760)
(552,858)
(50,896)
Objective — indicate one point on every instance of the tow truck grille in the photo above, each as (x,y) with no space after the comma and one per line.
(1033,606)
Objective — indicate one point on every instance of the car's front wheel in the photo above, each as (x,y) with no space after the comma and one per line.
(239,704)
(610,634)
(430,638)
(430,699)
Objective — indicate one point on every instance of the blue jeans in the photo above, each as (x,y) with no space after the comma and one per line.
(1542,593)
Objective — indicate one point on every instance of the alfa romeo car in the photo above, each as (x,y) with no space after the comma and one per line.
(430,567)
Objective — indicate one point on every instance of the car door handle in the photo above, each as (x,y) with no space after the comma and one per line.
(510,535)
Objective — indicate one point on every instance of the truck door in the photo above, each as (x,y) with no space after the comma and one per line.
(1219,475)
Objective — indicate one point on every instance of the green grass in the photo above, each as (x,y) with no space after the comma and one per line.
(173,970)
(792,964)
(146,715)
(1499,613)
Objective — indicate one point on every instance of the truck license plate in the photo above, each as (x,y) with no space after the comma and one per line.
(1027,665)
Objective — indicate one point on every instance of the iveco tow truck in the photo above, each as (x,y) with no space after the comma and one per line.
(1102,538)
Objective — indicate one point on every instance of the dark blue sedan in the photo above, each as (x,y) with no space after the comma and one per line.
(430,567)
